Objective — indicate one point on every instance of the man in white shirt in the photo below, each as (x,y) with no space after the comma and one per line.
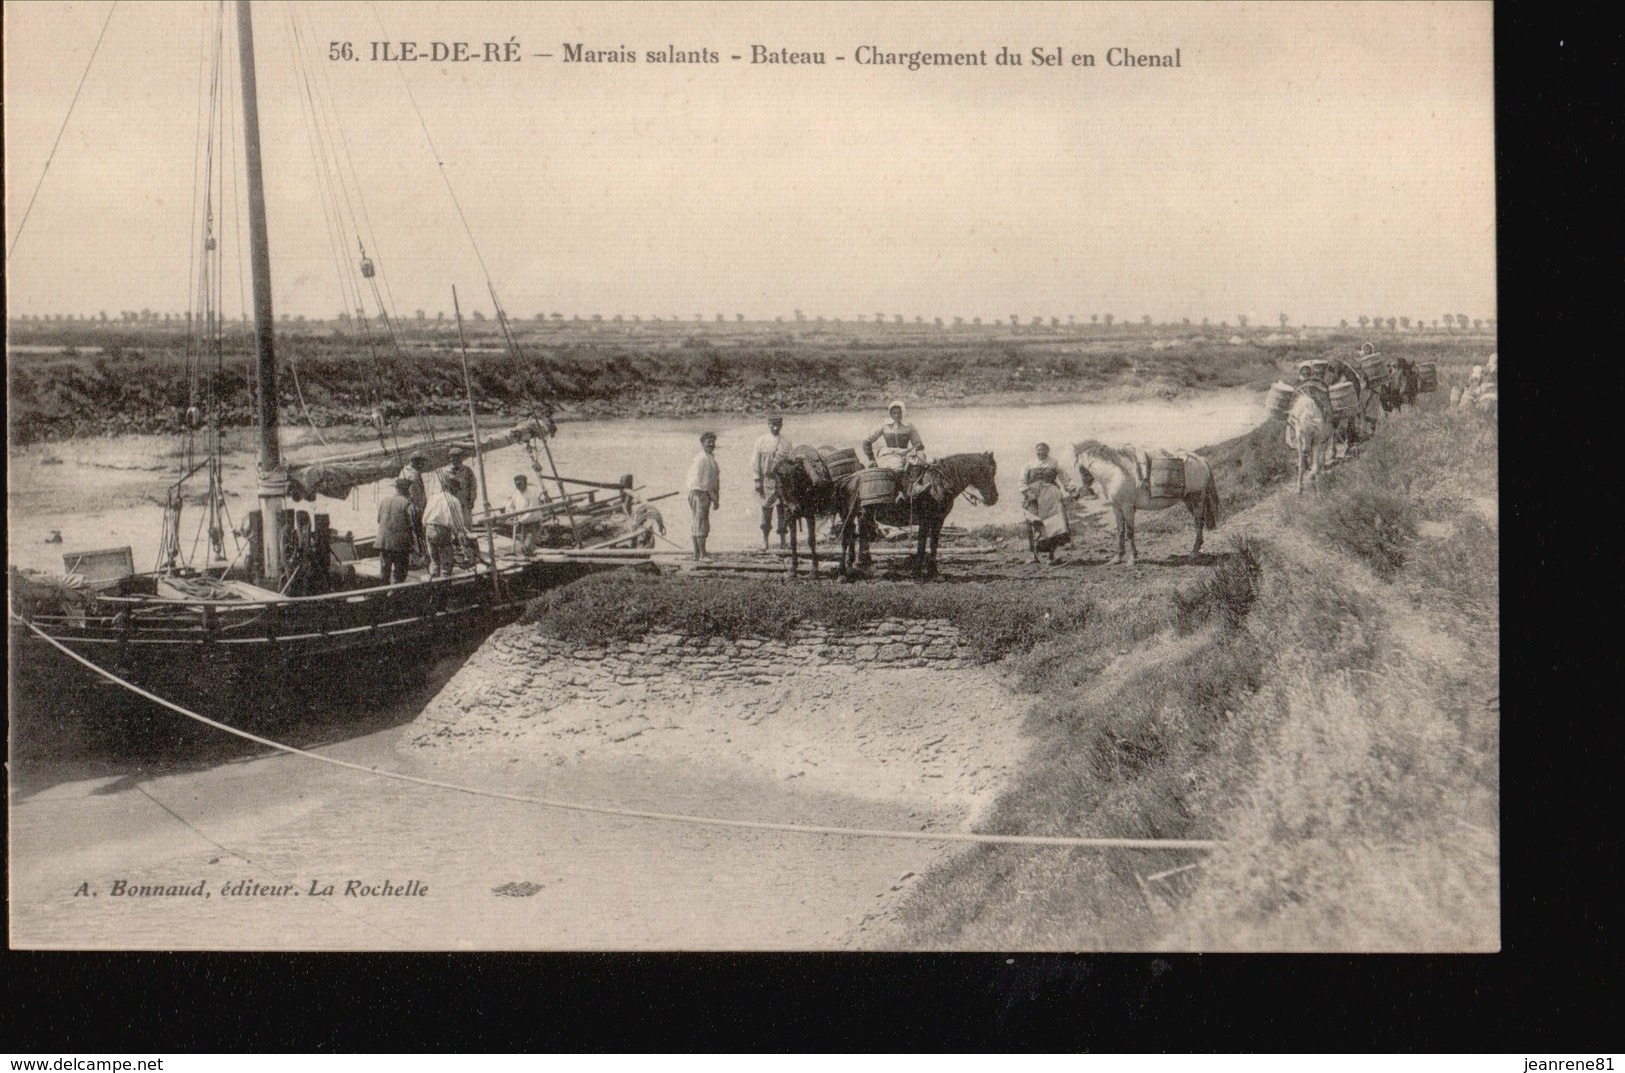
(769,450)
(527,529)
(704,492)
(444,523)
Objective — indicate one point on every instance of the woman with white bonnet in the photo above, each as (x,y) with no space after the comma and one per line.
(898,441)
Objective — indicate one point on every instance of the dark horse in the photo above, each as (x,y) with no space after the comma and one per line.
(1403,387)
(930,496)
(808,493)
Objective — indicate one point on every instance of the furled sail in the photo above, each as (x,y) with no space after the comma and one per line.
(335,477)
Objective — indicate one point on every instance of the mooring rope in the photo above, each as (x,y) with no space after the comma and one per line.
(644,814)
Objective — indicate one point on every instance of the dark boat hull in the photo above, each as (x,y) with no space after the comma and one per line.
(297,665)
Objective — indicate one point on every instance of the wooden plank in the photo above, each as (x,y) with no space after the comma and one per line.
(608,555)
(623,538)
(824,566)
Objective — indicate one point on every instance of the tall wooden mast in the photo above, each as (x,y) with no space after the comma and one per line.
(273,478)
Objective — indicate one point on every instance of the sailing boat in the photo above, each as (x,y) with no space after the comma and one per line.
(307,617)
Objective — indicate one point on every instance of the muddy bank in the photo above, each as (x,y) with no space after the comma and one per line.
(502,874)
(893,712)
(776,732)
(495,875)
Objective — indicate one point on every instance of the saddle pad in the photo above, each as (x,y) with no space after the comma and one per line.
(1321,395)
(813,462)
(930,481)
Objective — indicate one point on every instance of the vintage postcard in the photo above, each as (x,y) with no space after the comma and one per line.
(690,476)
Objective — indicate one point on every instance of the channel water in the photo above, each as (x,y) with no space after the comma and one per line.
(76,499)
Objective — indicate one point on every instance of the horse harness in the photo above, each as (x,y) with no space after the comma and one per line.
(1321,394)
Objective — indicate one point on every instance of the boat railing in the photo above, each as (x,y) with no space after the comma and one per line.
(356,611)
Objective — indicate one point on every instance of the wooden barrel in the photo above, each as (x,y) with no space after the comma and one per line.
(1427,374)
(877,486)
(841,463)
(1345,400)
(1374,367)
(1278,402)
(1167,478)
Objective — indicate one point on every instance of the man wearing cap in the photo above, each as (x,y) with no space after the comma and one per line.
(527,529)
(704,491)
(769,450)
(899,440)
(413,472)
(465,481)
(398,522)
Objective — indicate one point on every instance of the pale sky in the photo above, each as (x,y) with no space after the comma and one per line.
(1318,159)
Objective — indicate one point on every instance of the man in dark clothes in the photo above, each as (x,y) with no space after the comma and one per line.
(397,532)
(465,482)
(413,472)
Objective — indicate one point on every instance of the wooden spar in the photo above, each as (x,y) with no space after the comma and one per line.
(479,456)
(612,485)
(550,511)
(273,479)
(513,349)
(560,482)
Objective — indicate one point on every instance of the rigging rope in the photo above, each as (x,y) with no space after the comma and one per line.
(644,814)
(293,367)
(192,348)
(434,151)
(60,131)
(205,297)
(344,141)
(330,188)
(339,175)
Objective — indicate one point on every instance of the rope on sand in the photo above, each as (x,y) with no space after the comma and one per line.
(642,814)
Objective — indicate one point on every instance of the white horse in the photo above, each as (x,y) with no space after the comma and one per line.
(1311,437)
(1120,485)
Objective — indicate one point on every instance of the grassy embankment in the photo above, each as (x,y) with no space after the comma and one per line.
(1322,698)
(118,379)
(1339,731)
